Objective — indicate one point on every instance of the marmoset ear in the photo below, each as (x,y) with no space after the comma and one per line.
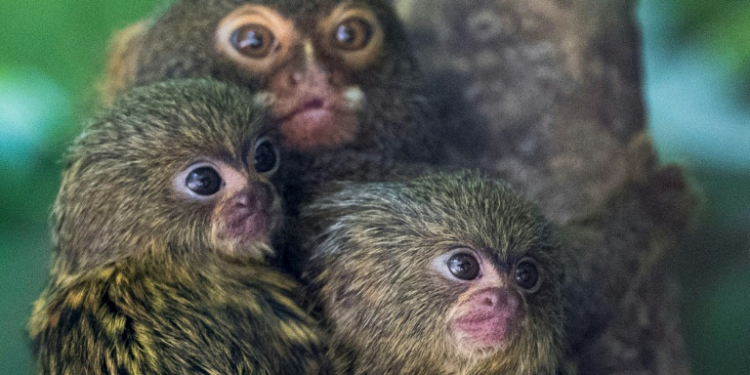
(122,60)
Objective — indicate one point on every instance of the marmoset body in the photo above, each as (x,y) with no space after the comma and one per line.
(162,238)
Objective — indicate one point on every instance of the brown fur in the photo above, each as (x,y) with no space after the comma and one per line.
(180,42)
(148,280)
(388,310)
(123,51)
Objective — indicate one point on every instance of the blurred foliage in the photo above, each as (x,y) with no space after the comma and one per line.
(51,53)
(697,88)
(720,26)
(697,61)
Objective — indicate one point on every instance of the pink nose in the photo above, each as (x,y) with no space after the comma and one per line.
(248,214)
(257,197)
(293,77)
(495,298)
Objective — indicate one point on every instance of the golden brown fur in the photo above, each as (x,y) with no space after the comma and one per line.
(388,308)
(149,279)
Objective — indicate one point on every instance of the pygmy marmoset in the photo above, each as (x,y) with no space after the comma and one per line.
(162,231)
(443,274)
(337,76)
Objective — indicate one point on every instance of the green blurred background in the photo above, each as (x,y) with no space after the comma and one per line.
(697,64)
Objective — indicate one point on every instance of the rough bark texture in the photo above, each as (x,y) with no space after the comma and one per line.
(547,93)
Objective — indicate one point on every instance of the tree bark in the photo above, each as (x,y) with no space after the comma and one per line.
(548,94)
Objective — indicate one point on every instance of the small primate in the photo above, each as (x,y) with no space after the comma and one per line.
(161,229)
(337,76)
(443,274)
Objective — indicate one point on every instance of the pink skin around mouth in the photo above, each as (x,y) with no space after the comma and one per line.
(247,225)
(490,318)
(484,329)
(311,115)
(316,123)
(247,216)
(309,105)
(313,120)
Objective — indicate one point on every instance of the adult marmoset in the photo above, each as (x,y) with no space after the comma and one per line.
(443,274)
(337,76)
(162,231)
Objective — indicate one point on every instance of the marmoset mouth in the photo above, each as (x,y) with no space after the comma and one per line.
(317,122)
(311,114)
(309,105)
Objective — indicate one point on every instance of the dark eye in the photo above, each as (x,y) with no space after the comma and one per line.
(464,266)
(352,34)
(203,181)
(253,40)
(527,276)
(266,156)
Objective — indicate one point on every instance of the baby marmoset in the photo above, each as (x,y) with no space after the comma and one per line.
(443,274)
(162,231)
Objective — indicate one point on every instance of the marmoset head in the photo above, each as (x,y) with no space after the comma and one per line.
(175,166)
(324,68)
(446,274)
